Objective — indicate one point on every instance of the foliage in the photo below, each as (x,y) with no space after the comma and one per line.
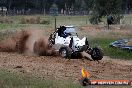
(95,18)
(104,8)
(47,22)
(54,10)
(30,20)
(42,6)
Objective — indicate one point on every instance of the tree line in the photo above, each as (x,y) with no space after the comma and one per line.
(66,6)
(97,9)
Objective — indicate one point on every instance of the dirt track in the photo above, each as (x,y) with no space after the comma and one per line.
(58,68)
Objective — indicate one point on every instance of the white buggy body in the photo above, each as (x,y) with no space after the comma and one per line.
(65,41)
(78,43)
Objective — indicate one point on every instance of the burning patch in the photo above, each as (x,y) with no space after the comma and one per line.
(84,73)
(85,77)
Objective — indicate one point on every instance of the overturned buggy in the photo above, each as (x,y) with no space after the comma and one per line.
(67,43)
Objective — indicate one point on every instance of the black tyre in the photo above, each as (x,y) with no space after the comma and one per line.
(65,52)
(96,54)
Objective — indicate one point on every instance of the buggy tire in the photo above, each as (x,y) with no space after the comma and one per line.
(96,54)
(65,52)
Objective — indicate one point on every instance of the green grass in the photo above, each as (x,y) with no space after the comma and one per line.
(10,80)
(11,26)
(61,20)
(109,51)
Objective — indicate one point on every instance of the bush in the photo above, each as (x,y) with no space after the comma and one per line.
(95,18)
(5,20)
(45,22)
(117,18)
(34,20)
(30,20)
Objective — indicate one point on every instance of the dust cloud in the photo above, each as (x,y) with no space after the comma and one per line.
(31,42)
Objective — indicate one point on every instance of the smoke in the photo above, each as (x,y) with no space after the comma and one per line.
(28,42)
(41,47)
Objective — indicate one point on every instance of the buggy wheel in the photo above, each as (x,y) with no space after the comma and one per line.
(65,52)
(96,54)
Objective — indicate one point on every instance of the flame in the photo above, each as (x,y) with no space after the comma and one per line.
(84,73)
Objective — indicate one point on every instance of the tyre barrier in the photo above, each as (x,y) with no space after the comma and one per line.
(121,44)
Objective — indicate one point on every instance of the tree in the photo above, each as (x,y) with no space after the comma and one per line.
(79,5)
(54,9)
(68,5)
(89,4)
(83,7)
(104,8)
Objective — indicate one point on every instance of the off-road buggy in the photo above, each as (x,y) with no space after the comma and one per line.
(66,41)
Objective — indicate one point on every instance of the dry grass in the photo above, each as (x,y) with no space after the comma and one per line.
(99,32)
(6,20)
(45,22)
(30,20)
(33,20)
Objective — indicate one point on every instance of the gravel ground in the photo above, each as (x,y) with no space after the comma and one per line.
(57,68)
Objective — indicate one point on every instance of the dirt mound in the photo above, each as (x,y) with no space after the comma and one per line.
(28,42)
